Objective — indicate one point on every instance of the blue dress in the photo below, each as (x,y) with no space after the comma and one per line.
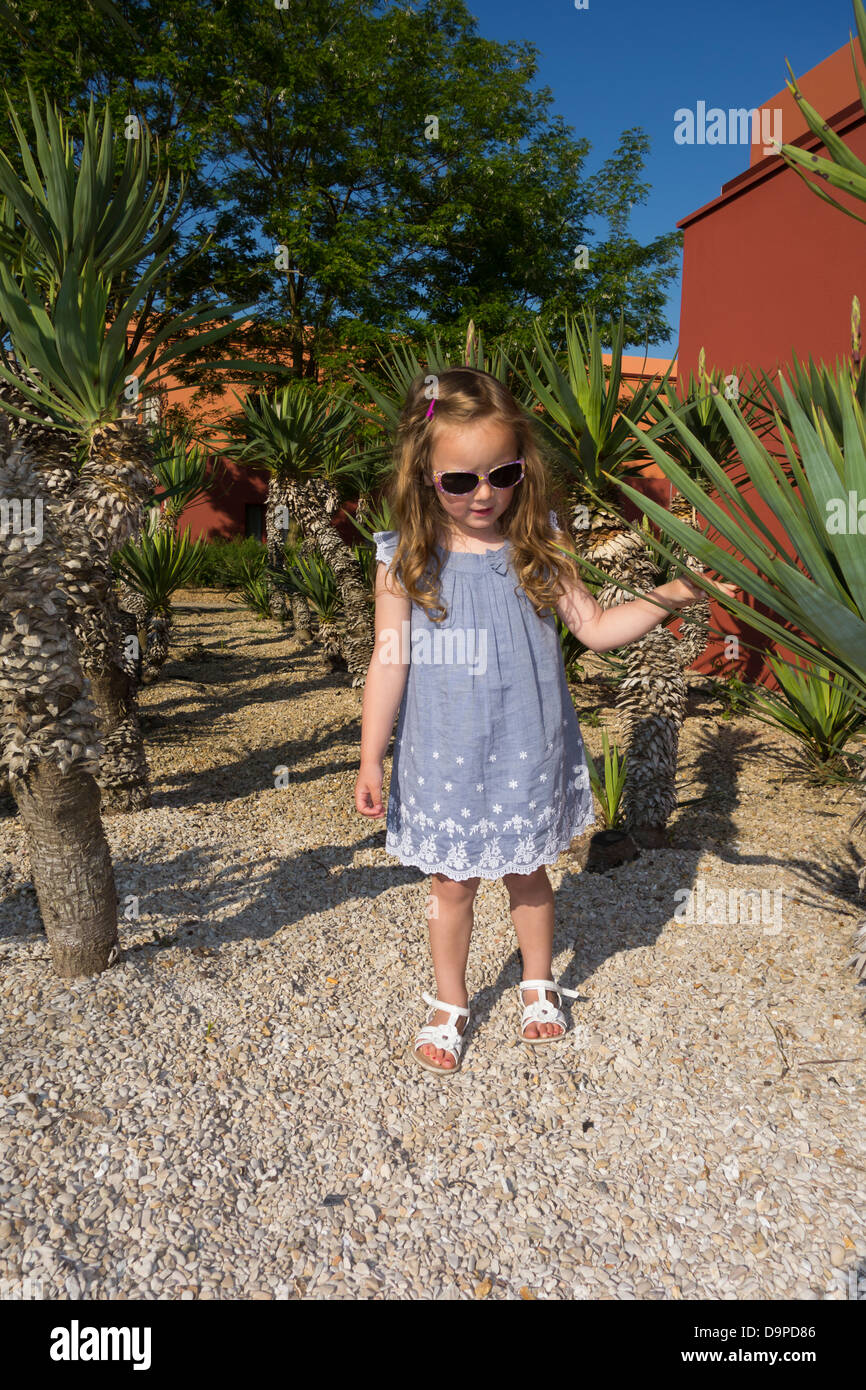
(489,774)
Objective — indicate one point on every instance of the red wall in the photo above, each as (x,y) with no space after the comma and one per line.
(222,512)
(769,271)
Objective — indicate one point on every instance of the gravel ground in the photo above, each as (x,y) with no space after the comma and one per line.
(228,1113)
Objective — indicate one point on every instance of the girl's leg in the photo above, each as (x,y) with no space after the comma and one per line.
(450,928)
(532,913)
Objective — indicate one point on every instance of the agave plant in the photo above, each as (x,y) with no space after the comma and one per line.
(69,308)
(810,574)
(155,567)
(302,438)
(816,708)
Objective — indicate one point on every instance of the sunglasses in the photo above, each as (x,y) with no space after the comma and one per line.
(460,484)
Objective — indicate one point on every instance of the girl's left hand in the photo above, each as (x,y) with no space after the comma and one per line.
(687,592)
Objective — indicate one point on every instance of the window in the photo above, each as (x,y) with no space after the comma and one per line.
(254,520)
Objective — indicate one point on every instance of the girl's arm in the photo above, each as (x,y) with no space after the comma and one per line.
(383,689)
(604,629)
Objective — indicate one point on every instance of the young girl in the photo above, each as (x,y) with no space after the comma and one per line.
(489,776)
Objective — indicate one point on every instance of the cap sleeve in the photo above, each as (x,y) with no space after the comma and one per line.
(386,545)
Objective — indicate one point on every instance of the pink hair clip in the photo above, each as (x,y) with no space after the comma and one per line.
(430,407)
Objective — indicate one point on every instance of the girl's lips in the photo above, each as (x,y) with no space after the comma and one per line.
(481,511)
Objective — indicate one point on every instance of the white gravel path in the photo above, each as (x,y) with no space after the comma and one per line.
(206,1119)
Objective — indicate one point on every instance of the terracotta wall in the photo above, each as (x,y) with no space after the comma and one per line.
(769,269)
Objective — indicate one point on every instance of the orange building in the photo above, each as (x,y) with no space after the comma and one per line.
(770,269)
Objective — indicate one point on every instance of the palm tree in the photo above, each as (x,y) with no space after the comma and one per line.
(581,398)
(159,564)
(580,403)
(813,578)
(143,592)
(77,233)
(303,440)
(82,232)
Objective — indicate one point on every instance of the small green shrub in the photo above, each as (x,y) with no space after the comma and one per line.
(225,563)
(733,695)
(608,793)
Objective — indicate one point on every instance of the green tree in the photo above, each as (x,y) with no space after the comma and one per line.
(406,166)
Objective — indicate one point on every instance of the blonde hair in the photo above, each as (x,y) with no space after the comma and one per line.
(464,395)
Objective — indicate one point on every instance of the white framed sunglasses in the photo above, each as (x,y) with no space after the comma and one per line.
(459,483)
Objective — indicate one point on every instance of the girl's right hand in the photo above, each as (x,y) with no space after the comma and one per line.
(368,790)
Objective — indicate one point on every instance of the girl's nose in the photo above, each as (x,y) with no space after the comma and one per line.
(483,492)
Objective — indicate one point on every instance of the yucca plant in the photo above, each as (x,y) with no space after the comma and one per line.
(818,391)
(78,232)
(693,403)
(815,707)
(313,578)
(303,438)
(181,468)
(587,421)
(813,578)
(83,229)
(609,789)
(842,170)
(160,563)
(254,587)
(397,370)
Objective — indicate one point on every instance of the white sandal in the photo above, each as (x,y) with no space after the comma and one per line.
(542,1011)
(444,1035)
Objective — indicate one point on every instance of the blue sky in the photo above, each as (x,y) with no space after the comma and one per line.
(624,63)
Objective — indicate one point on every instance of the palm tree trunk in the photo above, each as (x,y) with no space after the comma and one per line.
(302,618)
(123,774)
(103,510)
(71,866)
(157,639)
(314,503)
(274,543)
(48,734)
(694,620)
(651,700)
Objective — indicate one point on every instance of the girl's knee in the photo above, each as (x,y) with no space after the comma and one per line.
(520,885)
(456,890)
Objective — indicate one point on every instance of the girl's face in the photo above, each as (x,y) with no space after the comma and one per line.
(475,447)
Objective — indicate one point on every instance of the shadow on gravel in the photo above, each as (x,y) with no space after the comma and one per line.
(285,892)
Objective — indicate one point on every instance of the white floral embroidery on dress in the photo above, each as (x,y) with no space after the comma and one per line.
(498,832)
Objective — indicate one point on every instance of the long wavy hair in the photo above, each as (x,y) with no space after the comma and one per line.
(465,395)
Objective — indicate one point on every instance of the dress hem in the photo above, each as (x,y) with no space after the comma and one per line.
(458,875)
